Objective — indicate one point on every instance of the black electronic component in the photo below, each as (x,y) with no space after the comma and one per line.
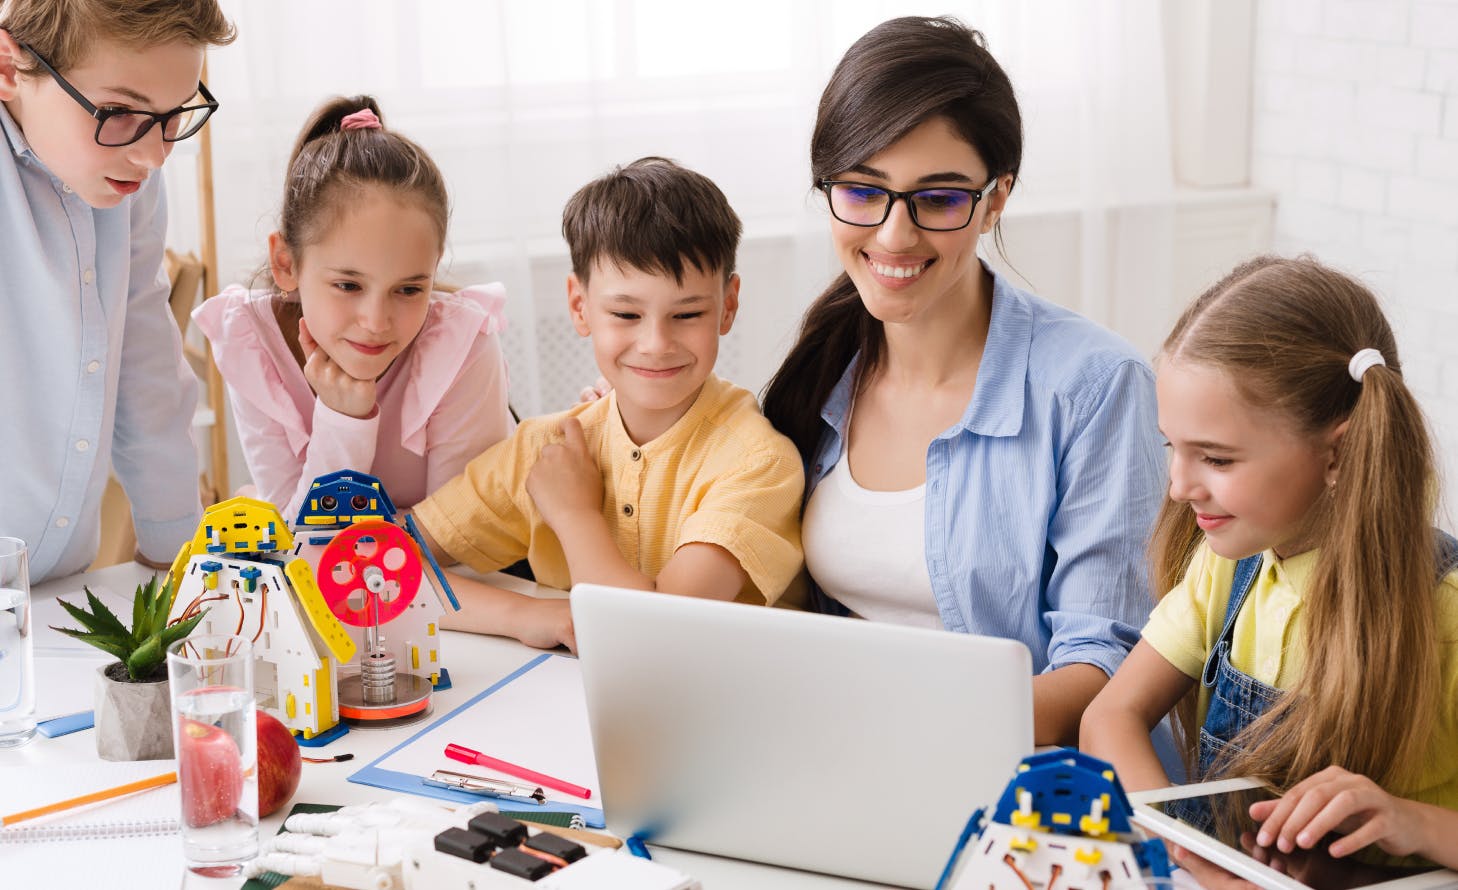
(556,845)
(466,844)
(523,865)
(503,830)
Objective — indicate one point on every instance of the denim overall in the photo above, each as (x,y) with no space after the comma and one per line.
(1238,699)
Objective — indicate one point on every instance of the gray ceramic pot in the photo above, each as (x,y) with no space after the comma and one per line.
(133,720)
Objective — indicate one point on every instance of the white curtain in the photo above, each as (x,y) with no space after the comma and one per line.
(520,102)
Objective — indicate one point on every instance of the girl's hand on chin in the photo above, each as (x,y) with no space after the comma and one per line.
(335,388)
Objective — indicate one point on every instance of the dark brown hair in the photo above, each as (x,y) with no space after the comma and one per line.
(330,166)
(652,215)
(62,30)
(901,74)
(1284,331)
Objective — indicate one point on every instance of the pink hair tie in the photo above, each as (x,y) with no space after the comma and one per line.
(364,119)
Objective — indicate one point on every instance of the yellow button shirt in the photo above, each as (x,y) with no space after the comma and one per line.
(721,475)
(1186,624)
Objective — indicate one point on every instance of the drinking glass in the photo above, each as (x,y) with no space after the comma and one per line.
(17,650)
(213,732)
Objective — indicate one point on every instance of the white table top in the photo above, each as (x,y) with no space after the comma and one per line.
(475,662)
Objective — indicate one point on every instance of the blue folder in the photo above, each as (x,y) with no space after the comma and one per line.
(394,780)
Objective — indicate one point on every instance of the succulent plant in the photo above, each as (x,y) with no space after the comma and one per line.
(143,648)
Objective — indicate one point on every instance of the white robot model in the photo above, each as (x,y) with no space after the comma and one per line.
(238,567)
(380,581)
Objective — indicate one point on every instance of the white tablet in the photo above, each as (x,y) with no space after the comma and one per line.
(1212,820)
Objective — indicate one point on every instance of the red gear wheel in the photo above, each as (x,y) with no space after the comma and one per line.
(369,573)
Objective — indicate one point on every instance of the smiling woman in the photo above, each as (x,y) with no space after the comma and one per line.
(350,361)
(978,459)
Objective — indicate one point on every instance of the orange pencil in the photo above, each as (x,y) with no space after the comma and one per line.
(93,797)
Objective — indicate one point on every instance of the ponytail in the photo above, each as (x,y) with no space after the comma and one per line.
(836,328)
(327,162)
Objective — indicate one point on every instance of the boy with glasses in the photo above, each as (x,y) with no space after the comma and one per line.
(93,95)
(674,481)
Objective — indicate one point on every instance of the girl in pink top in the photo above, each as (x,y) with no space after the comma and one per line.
(352,360)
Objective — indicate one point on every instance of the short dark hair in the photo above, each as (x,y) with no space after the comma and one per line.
(652,215)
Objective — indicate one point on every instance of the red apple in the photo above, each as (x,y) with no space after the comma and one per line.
(279,764)
(209,771)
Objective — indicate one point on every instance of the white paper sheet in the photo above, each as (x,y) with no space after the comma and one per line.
(538,720)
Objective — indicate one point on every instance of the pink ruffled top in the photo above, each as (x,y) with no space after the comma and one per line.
(442,402)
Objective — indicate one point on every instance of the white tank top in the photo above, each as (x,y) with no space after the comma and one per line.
(867,549)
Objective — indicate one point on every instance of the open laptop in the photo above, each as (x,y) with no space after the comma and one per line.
(827,744)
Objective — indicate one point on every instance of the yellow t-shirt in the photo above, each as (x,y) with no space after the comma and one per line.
(1186,624)
(720,475)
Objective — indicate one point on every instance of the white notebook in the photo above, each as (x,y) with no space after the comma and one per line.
(126,842)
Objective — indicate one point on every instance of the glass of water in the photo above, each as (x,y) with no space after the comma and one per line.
(17,650)
(213,734)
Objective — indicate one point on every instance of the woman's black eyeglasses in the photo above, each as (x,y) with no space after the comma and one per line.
(936,210)
(123,126)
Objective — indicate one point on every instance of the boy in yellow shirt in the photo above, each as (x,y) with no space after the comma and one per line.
(674,481)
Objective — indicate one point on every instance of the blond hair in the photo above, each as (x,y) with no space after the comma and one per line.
(61,31)
(1284,330)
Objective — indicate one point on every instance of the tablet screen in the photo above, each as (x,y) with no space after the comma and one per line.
(1225,816)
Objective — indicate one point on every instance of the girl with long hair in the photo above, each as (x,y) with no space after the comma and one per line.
(1309,635)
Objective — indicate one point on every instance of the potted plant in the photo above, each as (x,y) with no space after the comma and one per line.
(133,711)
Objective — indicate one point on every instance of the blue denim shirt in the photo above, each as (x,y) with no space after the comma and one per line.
(1040,500)
(92,376)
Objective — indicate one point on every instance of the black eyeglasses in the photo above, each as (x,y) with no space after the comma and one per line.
(936,210)
(122,126)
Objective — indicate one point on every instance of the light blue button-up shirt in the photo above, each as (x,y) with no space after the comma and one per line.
(1040,500)
(91,369)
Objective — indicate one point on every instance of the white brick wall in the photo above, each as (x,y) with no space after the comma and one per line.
(1355,128)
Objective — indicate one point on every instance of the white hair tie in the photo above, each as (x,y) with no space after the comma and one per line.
(1364,359)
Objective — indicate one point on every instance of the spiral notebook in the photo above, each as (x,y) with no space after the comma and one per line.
(122,843)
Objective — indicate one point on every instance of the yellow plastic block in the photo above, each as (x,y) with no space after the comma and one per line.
(1093,828)
(430,629)
(1023,844)
(1027,820)
(290,706)
(179,568)
(328,627)
(210,580)
(326,718)
(307,734)
(255,513)
(318,520)
(432,657)
(1062,819)
(1088,857)
(415,658)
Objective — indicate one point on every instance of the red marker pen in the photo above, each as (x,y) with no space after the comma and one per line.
(466,755)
